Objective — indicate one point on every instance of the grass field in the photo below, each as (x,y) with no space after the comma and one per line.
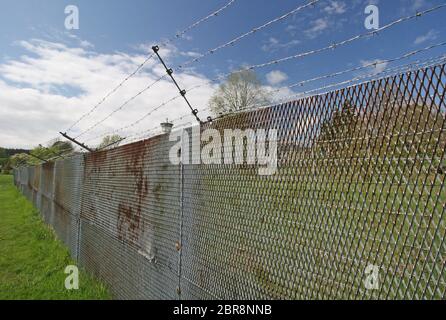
(32,260)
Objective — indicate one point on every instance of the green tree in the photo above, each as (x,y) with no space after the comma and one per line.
(6,168)
(41,152)
(112,140)
(3,161)
(19,159)
(240,91)
(46,153)
(62,147)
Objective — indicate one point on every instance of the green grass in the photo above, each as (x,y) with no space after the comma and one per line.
(32,260)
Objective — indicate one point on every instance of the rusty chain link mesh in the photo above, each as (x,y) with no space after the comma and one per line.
(130,215)
(359,186)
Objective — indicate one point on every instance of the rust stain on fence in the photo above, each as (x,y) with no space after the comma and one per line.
(135,166)
(97,159)
(129,223)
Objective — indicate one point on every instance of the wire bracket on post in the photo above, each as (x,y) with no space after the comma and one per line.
(80,144)
(182,91)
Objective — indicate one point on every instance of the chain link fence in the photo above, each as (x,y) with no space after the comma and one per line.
(355,209)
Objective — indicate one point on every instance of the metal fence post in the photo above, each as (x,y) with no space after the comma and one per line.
(181,213)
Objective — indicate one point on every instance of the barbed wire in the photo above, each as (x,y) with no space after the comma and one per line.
(137,121)
(405,68)
(232,42)
(365,78)
(108,95)
(144,134)
(251,32)
(140,66)
(122,106)
(196,24)
(335,74)
(394,70)
(359,68)
(50,141)
(312,52)
(371,77)
(309,53)
(347,41)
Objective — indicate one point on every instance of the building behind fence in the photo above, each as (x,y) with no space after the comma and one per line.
(355,210)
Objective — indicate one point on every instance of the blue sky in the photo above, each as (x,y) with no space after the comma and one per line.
(51,76)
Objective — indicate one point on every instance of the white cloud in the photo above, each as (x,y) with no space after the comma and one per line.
(335,7)
(291,28)
(317,26)
(270,44)
(81,42)
(274,44)
(431,35)
(46,90)
(187,37)
(190,54)
(276,77)
(378,67)
(417,4)
(411,6)
(86,44)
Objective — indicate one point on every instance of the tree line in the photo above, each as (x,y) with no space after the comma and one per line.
(12,158)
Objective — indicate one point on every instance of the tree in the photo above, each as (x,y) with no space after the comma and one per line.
(110,141)
(10,158)
(18,159)
(34,156)
(240,91)
(58,148)
(42,153)
(6,153)
(4,165)
(62,147)
(6,168)
(3,161)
